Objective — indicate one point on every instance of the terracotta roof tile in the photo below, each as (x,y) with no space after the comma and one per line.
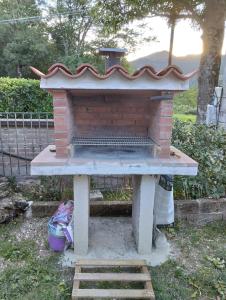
(149,70)
(171,68)
(85,66)
(146,67)
(59,66)
(116,67)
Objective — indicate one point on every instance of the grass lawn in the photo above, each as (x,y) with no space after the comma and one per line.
(185,117)
(196,269)
(28,270)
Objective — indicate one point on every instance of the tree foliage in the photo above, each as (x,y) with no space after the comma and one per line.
(82,30)
(22,44)
(70,28)
(71,33)
(76,28)
(209,15)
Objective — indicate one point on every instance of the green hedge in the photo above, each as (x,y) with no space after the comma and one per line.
(208,147)
(23,95)
(186,102)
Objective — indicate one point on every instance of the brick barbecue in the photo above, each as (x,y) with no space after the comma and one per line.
(130,117)
(114,123)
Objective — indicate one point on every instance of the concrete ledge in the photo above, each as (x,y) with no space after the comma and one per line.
(97,208)
(46,163)
(199,212)
(42,209)
(111,208)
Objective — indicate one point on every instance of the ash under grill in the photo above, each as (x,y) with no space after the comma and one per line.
(113,141)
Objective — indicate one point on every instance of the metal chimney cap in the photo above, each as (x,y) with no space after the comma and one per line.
(118,52)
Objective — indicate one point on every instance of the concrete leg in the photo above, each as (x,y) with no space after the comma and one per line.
(142,212)
(81,214)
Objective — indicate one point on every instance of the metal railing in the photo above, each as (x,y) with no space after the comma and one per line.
(22,136)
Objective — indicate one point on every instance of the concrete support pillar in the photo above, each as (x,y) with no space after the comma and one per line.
(81,214)
(222,112)
(142,212)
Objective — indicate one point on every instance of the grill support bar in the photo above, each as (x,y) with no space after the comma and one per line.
(112,141)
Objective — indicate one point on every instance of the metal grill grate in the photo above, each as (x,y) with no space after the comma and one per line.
(112,141)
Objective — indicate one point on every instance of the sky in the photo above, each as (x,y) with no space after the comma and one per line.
(187,39)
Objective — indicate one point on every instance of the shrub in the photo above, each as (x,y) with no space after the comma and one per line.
(23,95)
(186,102)
(208,147)
(51,188)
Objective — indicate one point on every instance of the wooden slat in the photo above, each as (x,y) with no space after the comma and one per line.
(76,282)
(148,283)
(144,276)
(112,277)
(110,263)
(112,293)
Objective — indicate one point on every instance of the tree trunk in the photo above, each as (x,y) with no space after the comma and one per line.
(213,35)
(18,71)
(171,42)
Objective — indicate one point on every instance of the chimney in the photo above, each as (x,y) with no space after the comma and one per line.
(113,56)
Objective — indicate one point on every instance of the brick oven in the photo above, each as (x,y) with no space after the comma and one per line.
(114,123)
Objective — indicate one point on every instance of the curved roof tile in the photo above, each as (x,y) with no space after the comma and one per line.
(116,67)
(149,70)
(171,68)
(85,66)
(61,66)
(145,67)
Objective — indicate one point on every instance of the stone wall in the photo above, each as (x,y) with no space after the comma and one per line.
(197,212)
(201,211)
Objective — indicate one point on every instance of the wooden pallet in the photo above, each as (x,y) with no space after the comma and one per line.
(143,276)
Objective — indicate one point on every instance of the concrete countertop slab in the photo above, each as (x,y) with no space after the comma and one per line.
(46,163)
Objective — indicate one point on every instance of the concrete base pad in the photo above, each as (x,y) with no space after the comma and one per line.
(112,238)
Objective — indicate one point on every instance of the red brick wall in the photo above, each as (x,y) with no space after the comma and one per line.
(118,115)
(160,129)
(63,122)
(166,125)
(111,115)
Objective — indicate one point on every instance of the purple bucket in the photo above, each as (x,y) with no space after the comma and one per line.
(57,244)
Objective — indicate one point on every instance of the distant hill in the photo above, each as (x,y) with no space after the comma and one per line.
(159,60)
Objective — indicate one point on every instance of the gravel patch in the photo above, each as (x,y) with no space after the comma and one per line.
(35,229)
(4,264)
